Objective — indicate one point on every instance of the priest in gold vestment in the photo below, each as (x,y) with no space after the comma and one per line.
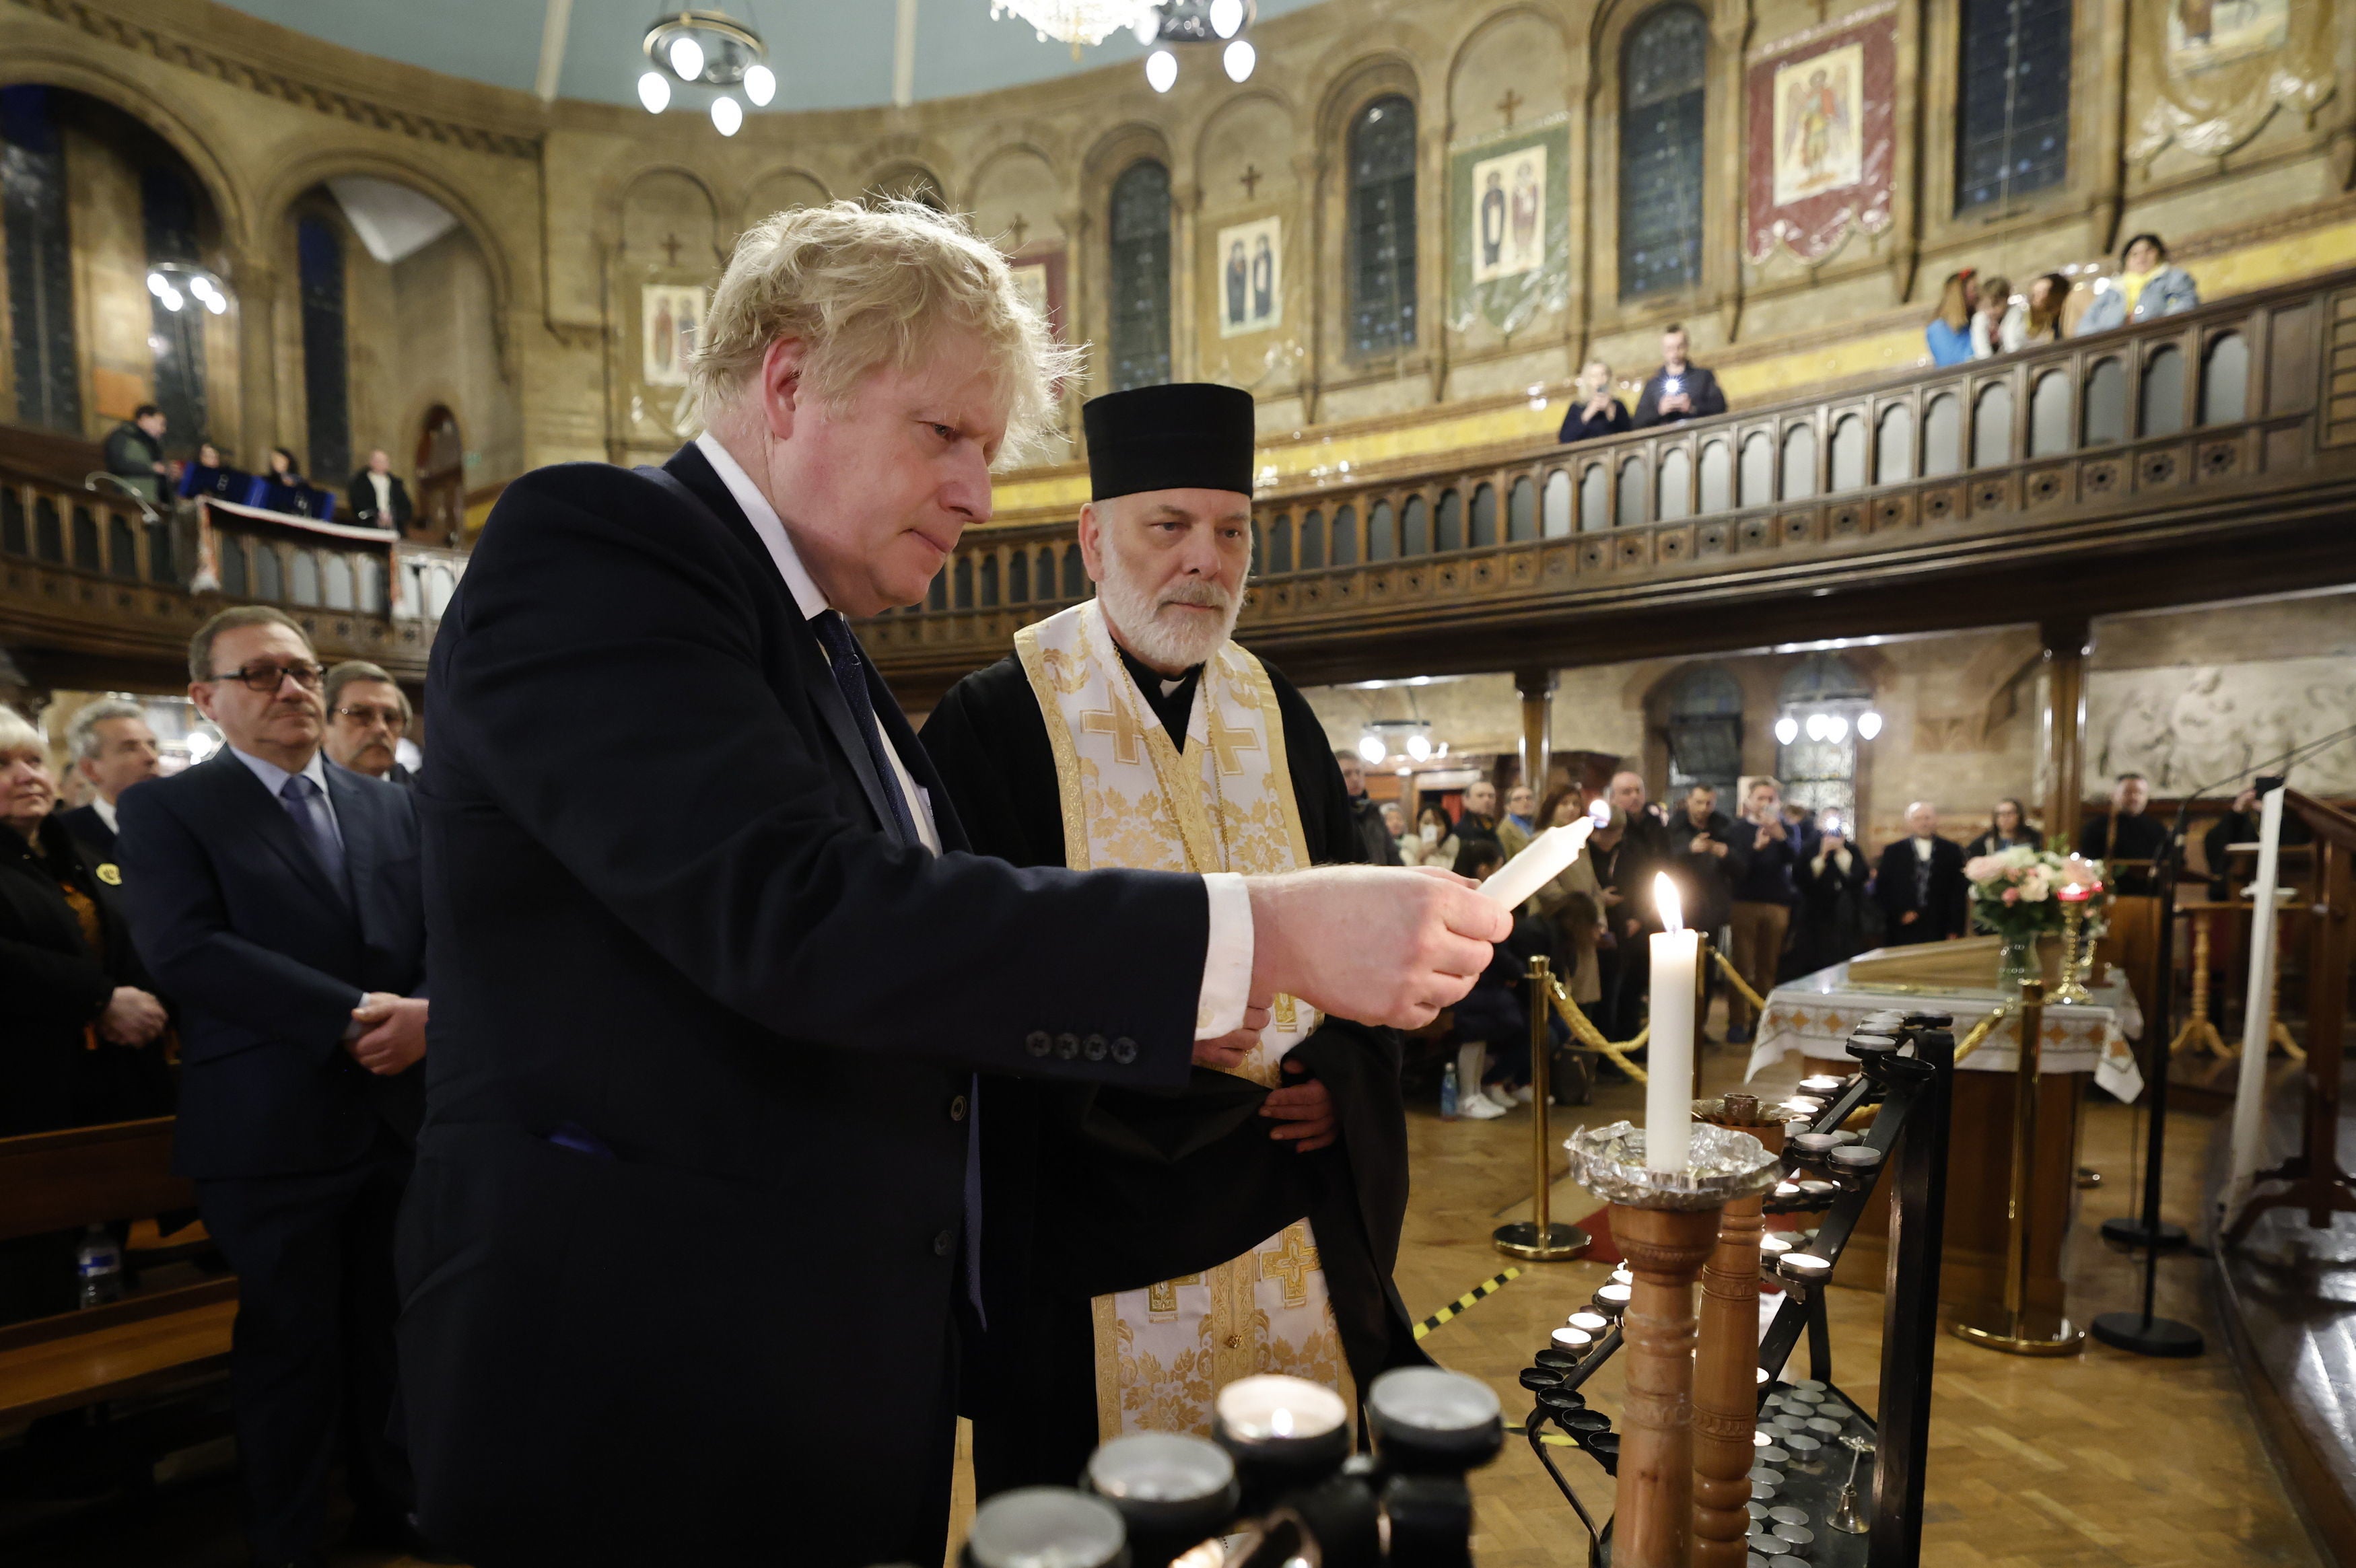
(1139,1250)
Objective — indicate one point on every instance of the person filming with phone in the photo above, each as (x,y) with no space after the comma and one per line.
(1680,389)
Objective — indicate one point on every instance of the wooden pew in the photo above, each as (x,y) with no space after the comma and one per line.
(64,1180)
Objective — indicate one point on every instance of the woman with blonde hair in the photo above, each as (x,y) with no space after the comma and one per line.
(1949,332)
(1593,410)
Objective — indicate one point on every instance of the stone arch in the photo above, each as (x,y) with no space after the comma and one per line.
(1016,181)
(1492,30)
(1722,76)
(779,190)
(154,105)
(1110,156)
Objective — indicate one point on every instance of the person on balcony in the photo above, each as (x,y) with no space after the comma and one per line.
(1949,332)
(209,475)
(2145,289)
(379,500)
(1680,389)
(134,452)
(2038,317)
(1594,412)
(1995,307)
(284,489)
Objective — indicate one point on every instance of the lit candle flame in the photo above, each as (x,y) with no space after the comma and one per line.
(1665,898)
(1280,1422)
(1600,814)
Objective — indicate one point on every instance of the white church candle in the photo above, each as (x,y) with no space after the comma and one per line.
(1668,1091)
(1548,855)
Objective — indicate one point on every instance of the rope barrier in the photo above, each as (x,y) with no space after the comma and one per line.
(1734,978)
(1584,1030)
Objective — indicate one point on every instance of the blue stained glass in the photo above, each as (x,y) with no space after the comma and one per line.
(326,388)
(41,262)
(1382,227)
(2012,133)
(1663,65)
(1140,304)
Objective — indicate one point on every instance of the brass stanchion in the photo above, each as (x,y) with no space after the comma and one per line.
(1539,1238)
(2018,1326)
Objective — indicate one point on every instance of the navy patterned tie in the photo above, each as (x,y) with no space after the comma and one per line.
(309,808)
(850,679)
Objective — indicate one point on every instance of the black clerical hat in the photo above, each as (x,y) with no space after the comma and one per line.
(1189,436)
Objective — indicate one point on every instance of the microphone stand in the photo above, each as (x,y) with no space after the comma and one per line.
(2143,1332)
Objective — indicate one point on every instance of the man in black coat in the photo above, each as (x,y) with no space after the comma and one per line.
(379,498)
(275,899)
(1919,884)
(1678,389)
(1377,845)
(687,1262)
(134,452)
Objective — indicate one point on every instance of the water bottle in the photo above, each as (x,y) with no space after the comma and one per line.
(97,1268)
(1447,1094)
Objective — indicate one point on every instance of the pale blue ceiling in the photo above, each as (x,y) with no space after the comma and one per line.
(828,54)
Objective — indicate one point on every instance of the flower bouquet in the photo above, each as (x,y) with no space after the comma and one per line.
(2019,893)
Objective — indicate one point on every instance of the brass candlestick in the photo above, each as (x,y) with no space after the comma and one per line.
(1666,1222)
(2073,988)
(1725,1383)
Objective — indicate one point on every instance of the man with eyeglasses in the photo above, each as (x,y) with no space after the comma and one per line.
(274,895)
(367,716)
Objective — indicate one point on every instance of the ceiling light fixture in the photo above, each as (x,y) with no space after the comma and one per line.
(1075,22)
(1869,725)
(1372,749)
(706,49)
(1173,22)
(1161,70)
(1787,729)
(1226,17)
(175,283)
(1239,58)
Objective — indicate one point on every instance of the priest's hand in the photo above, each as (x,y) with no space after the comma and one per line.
(1303,1110)
(1226,1052)
(1378,944)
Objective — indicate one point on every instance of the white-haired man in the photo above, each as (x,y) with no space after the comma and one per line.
(691,1246)
(1127,1232)
(114,748)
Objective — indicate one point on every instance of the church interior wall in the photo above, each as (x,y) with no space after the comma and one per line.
(2246,166)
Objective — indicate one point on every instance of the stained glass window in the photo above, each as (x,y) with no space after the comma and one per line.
(168,209)
(1382,227)
(1705,734)
(2012,134)
(41,262)
(320,261)
(1819,767)
(1663,87)
(1140,276)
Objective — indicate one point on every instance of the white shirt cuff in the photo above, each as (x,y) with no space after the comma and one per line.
(1227,958)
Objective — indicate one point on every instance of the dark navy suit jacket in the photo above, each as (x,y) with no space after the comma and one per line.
(686,1221)
(235,918)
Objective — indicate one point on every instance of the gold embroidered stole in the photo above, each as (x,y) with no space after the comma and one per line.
(1218,798)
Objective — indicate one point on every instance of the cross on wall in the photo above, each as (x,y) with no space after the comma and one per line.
(1507,104)
(1249,179)
(670,249)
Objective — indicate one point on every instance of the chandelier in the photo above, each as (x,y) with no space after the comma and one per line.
(709,50)
(1075,22)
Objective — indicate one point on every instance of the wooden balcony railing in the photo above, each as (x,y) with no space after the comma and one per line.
(2058,448)
(88,575)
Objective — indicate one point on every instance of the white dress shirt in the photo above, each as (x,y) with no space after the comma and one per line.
(105,809)
(320,805)
(1227,961)
(382,484)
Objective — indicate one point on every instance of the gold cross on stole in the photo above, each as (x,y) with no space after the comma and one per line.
(1128,740)
(1291,1263)
(1164,1296)
(1225,742)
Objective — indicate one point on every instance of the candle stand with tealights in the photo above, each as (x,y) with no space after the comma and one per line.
(1808,1442)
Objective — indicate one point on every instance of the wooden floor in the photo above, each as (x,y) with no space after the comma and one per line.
(2099,1460)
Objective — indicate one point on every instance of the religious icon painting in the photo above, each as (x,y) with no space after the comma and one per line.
(2205,35)
(668,315)
(1822,141)
(1817,147)
(1250,285)
(1509,204)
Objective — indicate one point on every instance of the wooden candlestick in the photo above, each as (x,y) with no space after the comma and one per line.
(1652,1522)
(1726,1377)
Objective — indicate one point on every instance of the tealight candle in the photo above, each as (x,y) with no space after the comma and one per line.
(1806,1268)
(1817,1186)
(1593,1322)
(1787,1188)
(1623,1276)
(1856,1157)
(1576,1340)
(1612,1300)
(1171,1490)
(1788,1515)
(1823,1083)
(1031,1525)
(1815,1143)
(1824,1425)
(1772,1246)
(1270,1408)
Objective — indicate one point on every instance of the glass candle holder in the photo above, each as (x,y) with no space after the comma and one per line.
(1034,1525)
(1430,1422)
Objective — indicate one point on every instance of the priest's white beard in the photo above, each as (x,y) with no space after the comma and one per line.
(1165,637)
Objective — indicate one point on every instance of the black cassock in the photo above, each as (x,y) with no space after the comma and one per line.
(1087,1191)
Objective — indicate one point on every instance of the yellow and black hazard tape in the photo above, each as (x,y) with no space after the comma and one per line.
(1551,1439)
(1486,1288)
